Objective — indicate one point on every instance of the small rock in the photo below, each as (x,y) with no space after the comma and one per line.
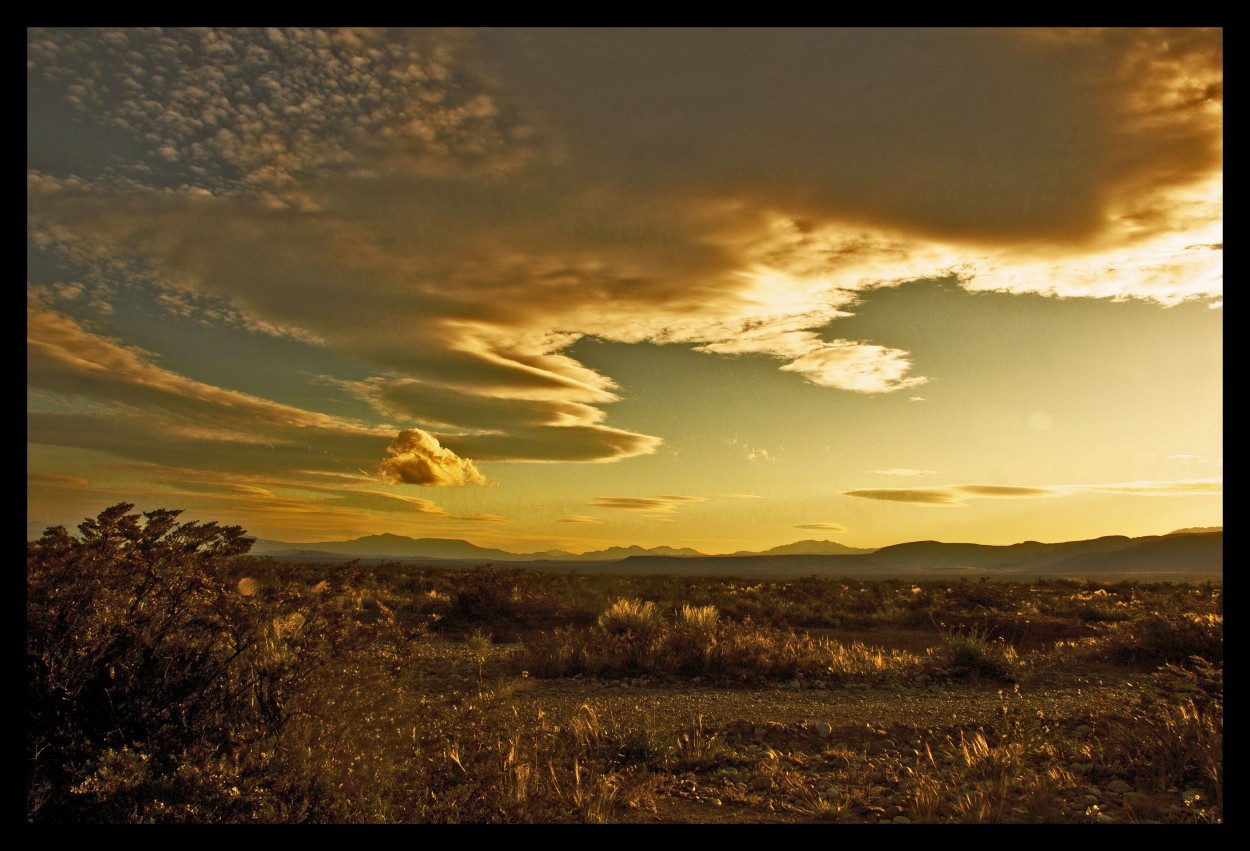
(1120,786)
(762,783)
(901,820)
(823,730)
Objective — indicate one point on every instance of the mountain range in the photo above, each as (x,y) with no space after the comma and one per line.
(1184,553)
(398,546)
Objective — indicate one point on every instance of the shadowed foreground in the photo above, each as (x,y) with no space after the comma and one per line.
(170,679)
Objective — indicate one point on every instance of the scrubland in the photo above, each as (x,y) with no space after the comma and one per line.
(170,678)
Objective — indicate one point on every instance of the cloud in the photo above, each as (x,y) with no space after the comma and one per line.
(313,504)
(37,478)
(654,504)
(953,495)
(580,518)
(455,210)
(256,111)
(921,496)
(823,527)
(742,496)
(905,471)
(114,398)
(417,458)
(1203,487)
(1004,490)
(917,399)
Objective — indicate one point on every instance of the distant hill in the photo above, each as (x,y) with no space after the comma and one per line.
(1190,552)
(935,554)
(618,553)
(398,546)
(810,548)
(1177,555)
(1197,530)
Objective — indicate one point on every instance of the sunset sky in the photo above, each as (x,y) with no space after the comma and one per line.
(714,288)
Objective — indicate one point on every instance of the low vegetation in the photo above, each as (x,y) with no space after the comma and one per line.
(171,678)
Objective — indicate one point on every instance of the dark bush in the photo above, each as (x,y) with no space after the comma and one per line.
(139,652)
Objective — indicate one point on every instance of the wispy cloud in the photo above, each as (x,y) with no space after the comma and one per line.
(742,496)
(920,496)
(752,453)
(951,495)
(1004,490)
(823,527)
(651,504)
(133,408)
(580,518)
(1202,487)
(34,477)
(905,471)
(954,495)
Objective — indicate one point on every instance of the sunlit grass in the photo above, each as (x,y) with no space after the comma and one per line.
(388,695)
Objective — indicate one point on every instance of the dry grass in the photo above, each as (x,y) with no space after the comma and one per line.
(359,731)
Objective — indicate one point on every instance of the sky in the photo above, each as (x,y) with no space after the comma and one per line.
(575,288)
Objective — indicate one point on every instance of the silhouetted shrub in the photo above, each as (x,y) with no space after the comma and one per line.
(137,650)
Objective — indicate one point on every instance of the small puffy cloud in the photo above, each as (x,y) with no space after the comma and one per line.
(917,399)
(654,504)
(905,471)
(580,518)
(823,527)
(859,367)
(417,458)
